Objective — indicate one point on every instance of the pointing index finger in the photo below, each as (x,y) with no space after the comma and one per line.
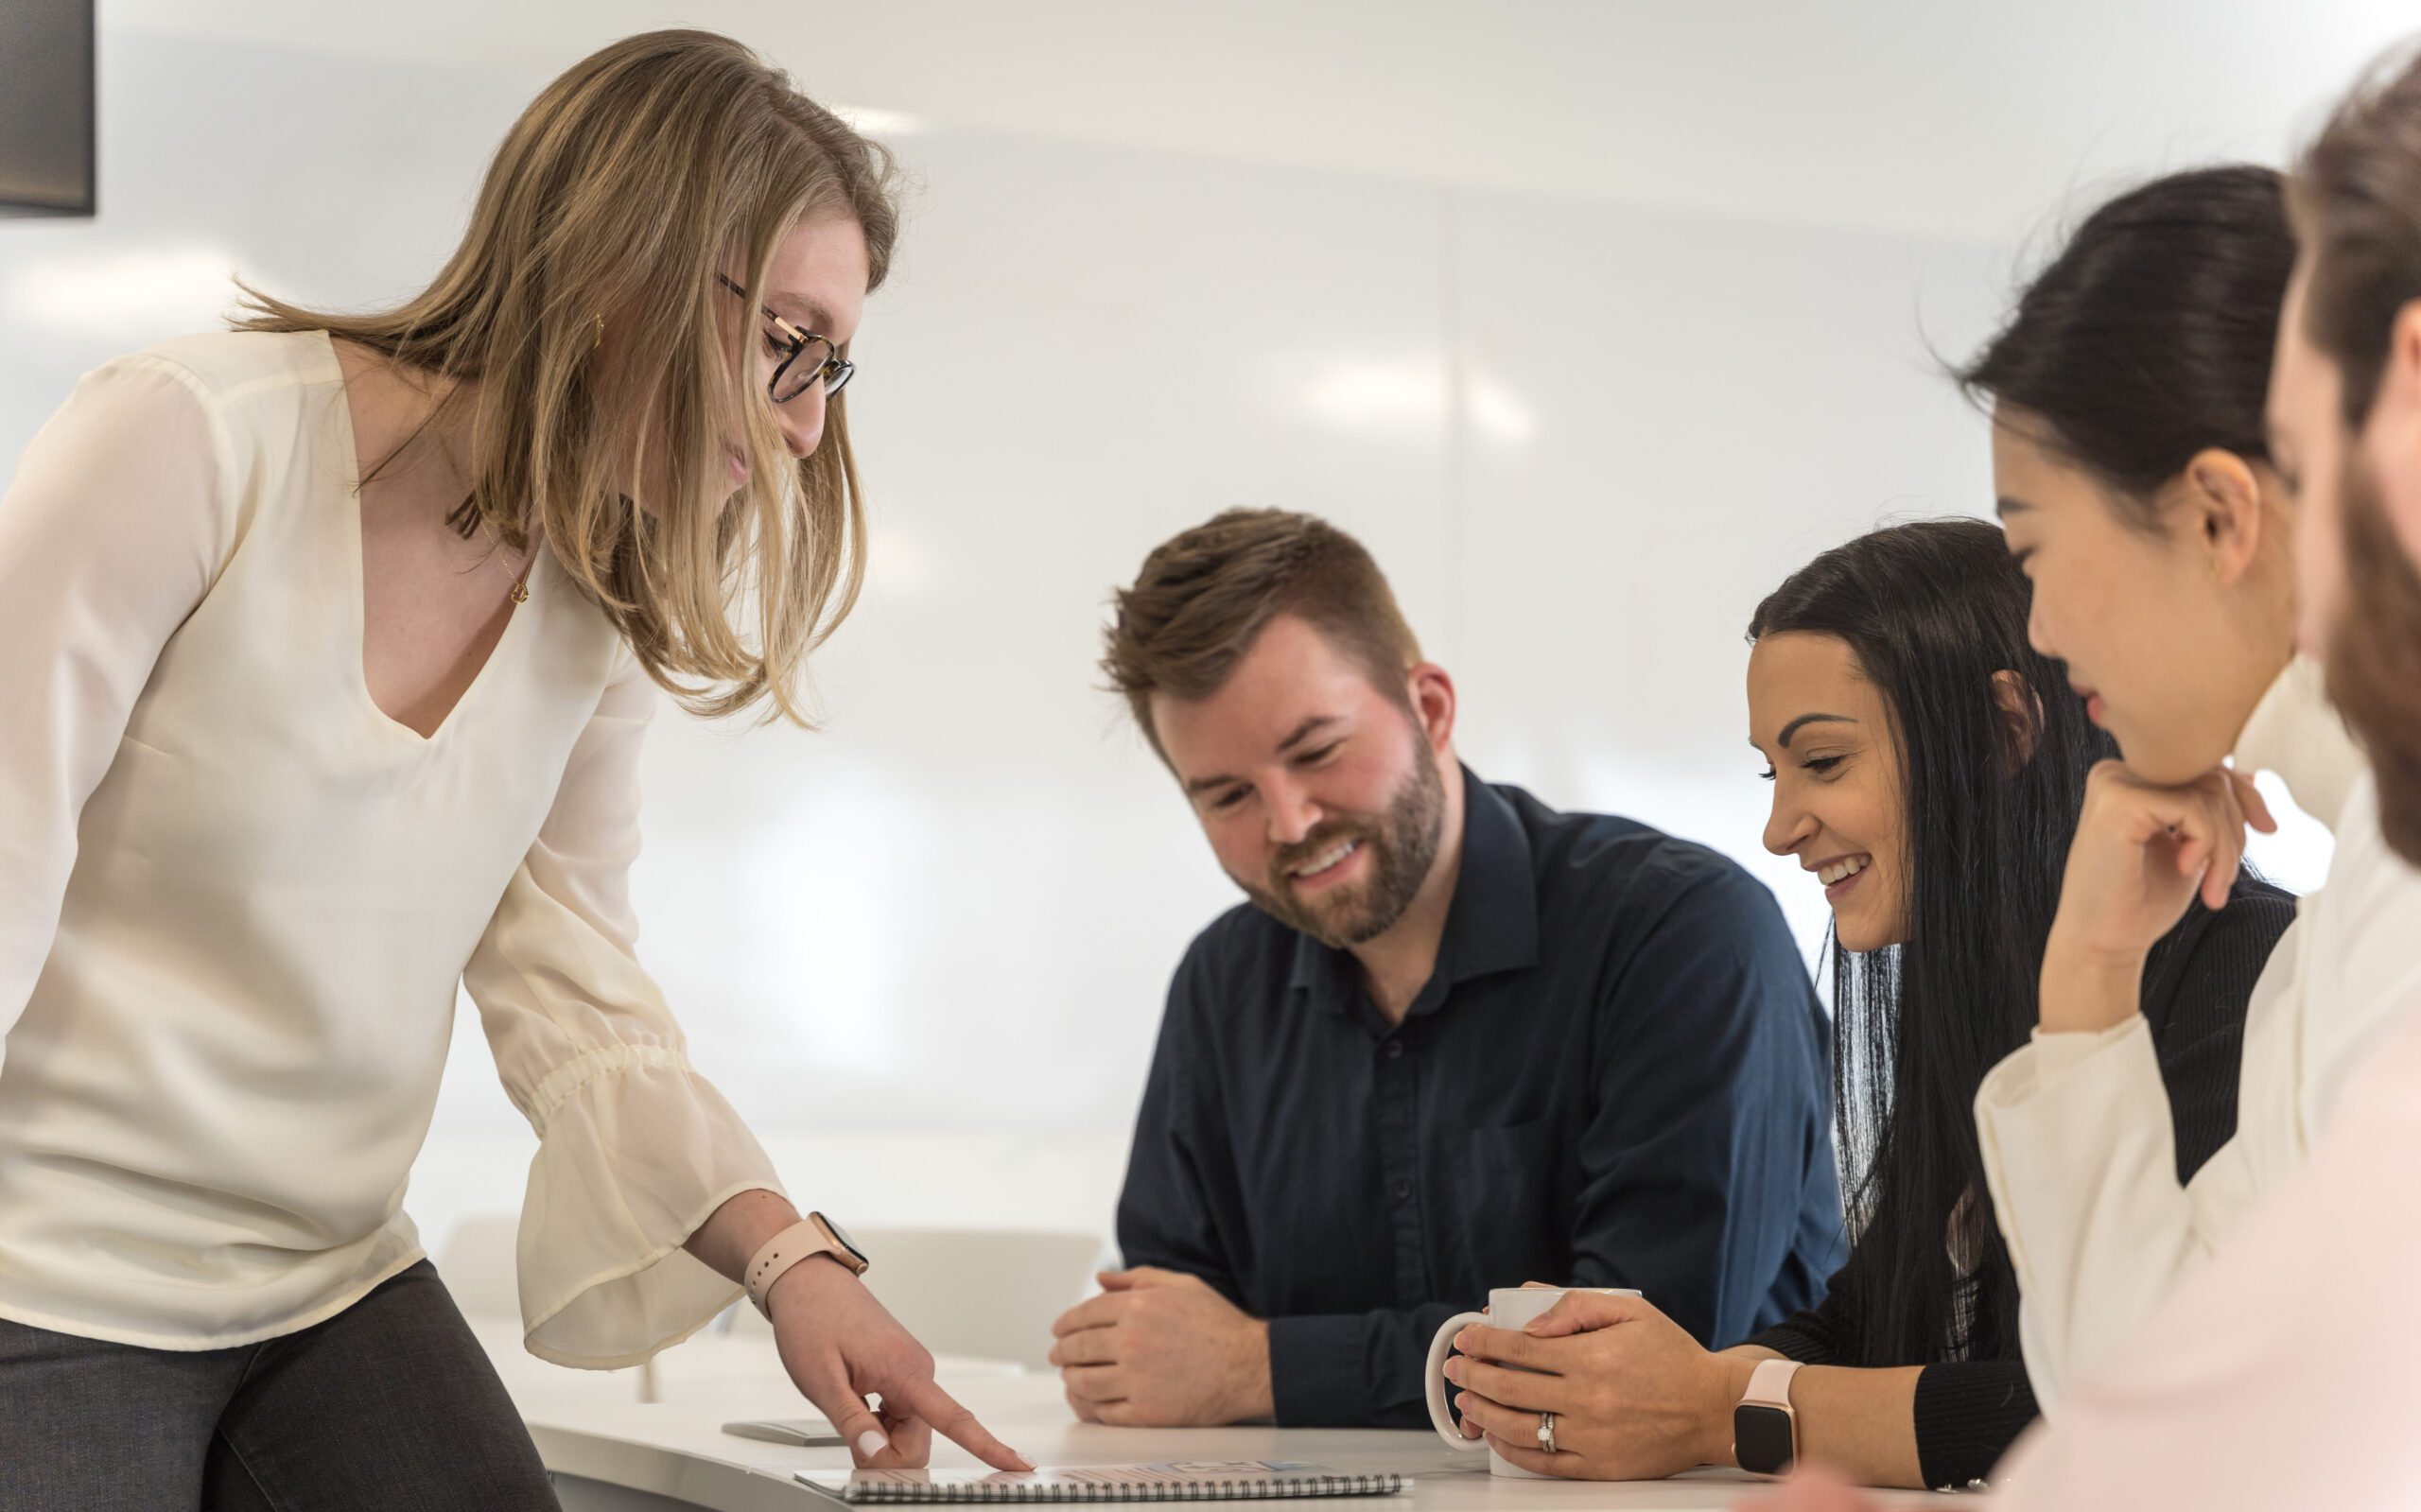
(929,1401)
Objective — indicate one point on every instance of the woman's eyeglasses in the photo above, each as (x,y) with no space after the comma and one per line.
(803,359)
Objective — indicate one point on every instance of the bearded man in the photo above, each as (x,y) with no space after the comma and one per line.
(1455,1040)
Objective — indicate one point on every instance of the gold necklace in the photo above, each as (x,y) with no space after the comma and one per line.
(467,520)
(521,578)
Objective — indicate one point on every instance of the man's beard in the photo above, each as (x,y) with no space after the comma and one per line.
(1403,844)
(2374,656)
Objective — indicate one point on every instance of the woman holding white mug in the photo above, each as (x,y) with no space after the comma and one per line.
(1909,729)
(2130,459)
(1508,1308)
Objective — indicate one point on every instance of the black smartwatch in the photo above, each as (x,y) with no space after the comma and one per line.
(1765,1431)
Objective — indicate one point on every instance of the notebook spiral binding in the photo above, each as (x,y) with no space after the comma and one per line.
(1239,1491)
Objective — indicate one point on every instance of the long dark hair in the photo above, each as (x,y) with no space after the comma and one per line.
(1933,610)
(2149,338)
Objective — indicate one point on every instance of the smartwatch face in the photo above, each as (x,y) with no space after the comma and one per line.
(1761,1439)
(843,1235)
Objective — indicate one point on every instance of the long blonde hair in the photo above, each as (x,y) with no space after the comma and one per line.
(620,195)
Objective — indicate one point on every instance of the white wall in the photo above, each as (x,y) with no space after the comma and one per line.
(924,951)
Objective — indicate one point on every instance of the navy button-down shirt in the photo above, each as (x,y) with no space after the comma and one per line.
(1617,1075)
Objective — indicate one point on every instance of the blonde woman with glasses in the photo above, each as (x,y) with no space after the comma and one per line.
(326,650)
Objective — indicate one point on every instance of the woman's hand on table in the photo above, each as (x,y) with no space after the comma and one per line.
(1634,1397)
(841,1346)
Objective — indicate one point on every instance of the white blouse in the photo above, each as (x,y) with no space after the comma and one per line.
(237,898)
(2078,1143)
(2281,1374)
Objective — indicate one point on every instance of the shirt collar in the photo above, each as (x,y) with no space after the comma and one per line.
(2295,732)
(1491,926)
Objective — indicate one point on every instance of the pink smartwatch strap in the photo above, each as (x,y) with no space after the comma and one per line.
(1770,1385)
(799,1241)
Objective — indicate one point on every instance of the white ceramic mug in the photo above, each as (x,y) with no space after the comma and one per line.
(1508,1307)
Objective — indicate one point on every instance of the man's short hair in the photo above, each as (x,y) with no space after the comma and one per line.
(1204,595)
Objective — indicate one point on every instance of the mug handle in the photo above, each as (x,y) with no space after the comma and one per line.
(1433,1380)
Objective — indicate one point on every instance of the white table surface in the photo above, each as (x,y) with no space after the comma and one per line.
(676,1449)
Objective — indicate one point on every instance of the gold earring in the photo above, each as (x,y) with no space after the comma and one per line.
(600,334)
(2218,572)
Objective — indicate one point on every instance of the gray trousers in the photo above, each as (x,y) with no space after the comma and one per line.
(389,1406)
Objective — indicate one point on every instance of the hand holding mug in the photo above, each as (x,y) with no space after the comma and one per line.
(1509,1308)
(1634,1397)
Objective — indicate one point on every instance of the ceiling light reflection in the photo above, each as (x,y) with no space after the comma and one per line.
(1368,395)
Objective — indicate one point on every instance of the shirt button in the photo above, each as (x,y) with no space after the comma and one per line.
(1401,1190)
(1394,1050)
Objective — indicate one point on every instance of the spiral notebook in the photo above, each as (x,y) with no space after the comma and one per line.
(1253,1480)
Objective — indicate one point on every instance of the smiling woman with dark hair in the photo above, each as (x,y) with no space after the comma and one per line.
(1928,766)
(2280,1374)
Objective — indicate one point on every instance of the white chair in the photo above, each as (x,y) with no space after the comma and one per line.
(974,1293)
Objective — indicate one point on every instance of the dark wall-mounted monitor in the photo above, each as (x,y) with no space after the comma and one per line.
(47,156)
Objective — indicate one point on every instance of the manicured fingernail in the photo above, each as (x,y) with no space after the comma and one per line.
(871,1443)
(1026,1462)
